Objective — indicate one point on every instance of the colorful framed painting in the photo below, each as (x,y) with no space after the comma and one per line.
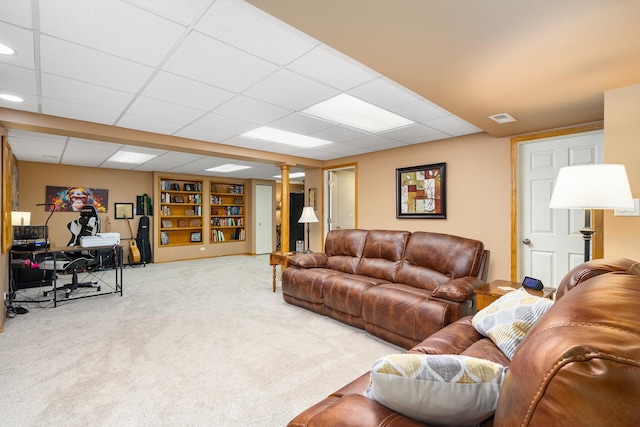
(421,191)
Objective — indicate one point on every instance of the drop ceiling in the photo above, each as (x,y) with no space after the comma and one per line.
(190,77)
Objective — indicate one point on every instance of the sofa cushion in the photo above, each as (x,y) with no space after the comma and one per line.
(507,320)
(437,389)
(432,259)
(344,249)
(382,254)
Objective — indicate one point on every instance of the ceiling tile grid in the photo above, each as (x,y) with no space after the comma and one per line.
(208,70)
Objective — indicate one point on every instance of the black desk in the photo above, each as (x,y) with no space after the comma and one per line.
(59,254)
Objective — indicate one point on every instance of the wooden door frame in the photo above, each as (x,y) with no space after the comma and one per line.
(598,217)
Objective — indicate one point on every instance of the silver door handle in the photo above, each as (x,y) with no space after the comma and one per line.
(526,241)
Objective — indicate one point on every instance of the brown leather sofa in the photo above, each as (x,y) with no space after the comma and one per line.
(397,285)
(579,365)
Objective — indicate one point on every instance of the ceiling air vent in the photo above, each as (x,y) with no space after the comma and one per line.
(503,118)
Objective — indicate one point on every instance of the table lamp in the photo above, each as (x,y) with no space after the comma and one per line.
(20,218)
(308,216)
(588,187)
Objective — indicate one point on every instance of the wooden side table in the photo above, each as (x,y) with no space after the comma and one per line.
(488,293)
(281,259)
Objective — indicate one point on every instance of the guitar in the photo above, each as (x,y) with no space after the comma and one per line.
(134,253)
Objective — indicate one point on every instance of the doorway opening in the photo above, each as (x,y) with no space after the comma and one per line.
(340,198)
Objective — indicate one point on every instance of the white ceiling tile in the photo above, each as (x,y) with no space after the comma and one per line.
(329,66)
(84,64)
(190,93)
(300,123)
(18,81)
(196,167)
(453,126)
(17,12)
(132,121)
(254,144)
(338,133)
(210,61)
(169,161)
(163,111)
(420,111)
(84,152)
(258,112)
(56,107)
(21,41)
(30,102)
(383,93)
(200,134)
(64,89)
(111,26)
(36,147)
(290,90)
(374,142)
(183,12)
(252,30)
(414,134)
(223,124)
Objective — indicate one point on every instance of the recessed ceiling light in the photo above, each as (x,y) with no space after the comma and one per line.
(503,118)
(292,175)
(6,50)
(356,113)
(229,167)
(266,133)
(131,157)
(10,98)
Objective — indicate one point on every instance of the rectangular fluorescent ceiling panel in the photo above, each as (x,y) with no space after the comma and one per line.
(229,167)
(266,133)
(291,175)
(131,157)
(356,113)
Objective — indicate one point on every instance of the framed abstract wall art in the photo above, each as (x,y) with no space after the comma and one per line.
(420,191)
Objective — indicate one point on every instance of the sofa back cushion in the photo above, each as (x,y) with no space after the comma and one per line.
(344,249)
(432,259)
(382,254)
(580,363)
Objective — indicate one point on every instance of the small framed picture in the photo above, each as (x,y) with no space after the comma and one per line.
(196,236)
(188,187)
(313,192)
(182,223)
(166,223)
(164,238)
(123,210)
(178,199)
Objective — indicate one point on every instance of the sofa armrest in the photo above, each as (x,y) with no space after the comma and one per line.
(311,260)
(461,289)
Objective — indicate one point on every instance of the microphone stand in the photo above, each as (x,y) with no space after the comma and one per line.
(46,243)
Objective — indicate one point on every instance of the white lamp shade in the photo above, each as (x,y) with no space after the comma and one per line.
(308,215)
(592,187)
(20,218)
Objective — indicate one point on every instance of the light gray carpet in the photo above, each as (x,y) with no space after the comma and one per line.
(192,343)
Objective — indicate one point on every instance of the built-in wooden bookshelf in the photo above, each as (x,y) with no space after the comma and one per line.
(181,214)
(227,212)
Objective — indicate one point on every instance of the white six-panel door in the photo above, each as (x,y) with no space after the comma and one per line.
(550,243)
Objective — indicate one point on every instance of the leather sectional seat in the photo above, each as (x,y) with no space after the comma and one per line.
(397,285)
(578,364)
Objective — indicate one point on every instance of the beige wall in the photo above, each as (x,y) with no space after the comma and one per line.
(478,191)
(622,145)
(123,187)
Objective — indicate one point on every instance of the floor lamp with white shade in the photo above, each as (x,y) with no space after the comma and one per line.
(588,187)
(308,216)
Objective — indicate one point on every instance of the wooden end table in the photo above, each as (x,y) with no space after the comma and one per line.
(281,259)
(488,293)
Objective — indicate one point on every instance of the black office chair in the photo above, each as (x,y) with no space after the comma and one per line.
(87,224)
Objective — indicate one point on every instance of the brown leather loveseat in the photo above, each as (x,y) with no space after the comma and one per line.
(397,285)
(578,365)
